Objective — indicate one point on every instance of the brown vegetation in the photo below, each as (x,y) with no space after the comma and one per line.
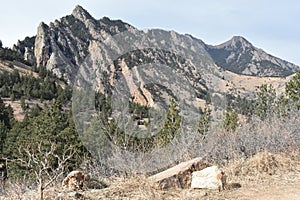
(268,167)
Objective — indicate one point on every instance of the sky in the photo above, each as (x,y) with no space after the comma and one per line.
(268,24)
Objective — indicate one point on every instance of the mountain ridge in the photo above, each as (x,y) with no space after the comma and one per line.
(238,55)
(78,39)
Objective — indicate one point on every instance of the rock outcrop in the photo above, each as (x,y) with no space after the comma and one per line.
(240,56)
(63,45)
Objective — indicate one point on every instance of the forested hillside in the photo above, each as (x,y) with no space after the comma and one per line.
(48,122)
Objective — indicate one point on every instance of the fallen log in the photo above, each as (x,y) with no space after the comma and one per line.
(179,176)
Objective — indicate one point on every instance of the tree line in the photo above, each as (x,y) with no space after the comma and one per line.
(45,87)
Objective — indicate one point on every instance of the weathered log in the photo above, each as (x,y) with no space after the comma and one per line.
(179,176)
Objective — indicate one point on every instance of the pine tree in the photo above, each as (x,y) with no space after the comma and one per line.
(5,123)
(4,114)
(231,120)
(3,134)
(47,127)
(23,104)
(204,123)
(265,101)
(171,125)
(292,88)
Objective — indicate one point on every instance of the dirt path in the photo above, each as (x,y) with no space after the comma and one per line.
(265,192)
(251,191)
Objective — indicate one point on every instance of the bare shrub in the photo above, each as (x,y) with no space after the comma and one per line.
(275,134)
(46,166)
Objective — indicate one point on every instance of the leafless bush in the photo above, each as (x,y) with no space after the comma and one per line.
(41,163)
(275,134)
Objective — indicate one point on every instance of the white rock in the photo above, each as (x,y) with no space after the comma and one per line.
(206,178)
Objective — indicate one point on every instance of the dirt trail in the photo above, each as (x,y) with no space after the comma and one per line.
(269,190)
(265,192)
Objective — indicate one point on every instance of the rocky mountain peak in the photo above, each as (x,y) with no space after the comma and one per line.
(235,43)
(240,56)
(41,45)
(81,14)
(42,27)
(240,39)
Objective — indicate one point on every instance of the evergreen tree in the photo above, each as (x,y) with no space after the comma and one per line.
(204,123)
(292,88)
(4,114)
(171,125)
(265,101)
(50,126)
(3,134)
(23,104)
(231,120)
(5,123)
(12,97)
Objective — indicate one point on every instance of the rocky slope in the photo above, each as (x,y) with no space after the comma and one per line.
(240,56)
(154,65)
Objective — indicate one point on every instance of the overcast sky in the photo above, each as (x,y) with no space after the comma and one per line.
(268,24)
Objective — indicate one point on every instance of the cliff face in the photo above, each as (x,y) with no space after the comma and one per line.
(64,44)
(153,66)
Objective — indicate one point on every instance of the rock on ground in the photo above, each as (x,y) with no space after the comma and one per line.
(208,178)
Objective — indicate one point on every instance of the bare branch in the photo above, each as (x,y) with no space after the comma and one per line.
(40,162)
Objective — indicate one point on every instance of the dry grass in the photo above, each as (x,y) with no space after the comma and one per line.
(22,190)
(266,164)
(10,66)
(138,187)
(18,112)
(244,83)
(264,172)
(265,167)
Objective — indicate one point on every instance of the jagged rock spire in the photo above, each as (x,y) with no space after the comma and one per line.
(81,14)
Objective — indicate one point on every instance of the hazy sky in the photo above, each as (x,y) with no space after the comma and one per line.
(268,24)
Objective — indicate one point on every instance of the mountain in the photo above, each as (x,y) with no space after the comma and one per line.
(153,64)
(63,45)
(240,56)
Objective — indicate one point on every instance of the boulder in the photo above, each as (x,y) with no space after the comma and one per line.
(75,180)
(178,176)
(208,178)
